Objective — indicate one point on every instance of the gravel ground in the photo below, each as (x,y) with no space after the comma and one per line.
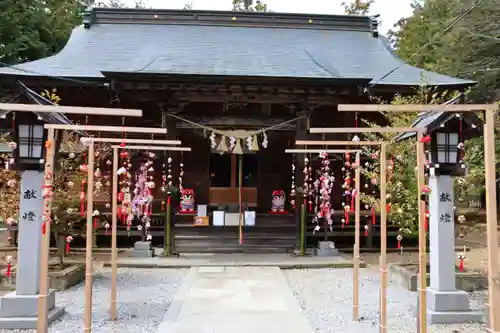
(326,297)
(143,298)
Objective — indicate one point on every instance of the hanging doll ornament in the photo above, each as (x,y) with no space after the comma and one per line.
(264,140)
(169,172)
(8,271)
(366,230)
(181,174)
(326,182)
(187,202)
(461,257)
(163,187)
(96,214)
(399,238)
(306,179)
(69,239)
(106,228)
(292,186)
(213,144)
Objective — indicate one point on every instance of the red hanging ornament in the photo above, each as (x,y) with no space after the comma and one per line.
(399,238)
(366,230)
(82,198)
(461,266)
(374,218)
(346,214)
(388,208)
(426,220)
(8,272)
(343,223)
(69,239)
(96,215)
(163,206)
(426,139)
(106,227)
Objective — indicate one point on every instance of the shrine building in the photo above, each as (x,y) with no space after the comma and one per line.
(256,81)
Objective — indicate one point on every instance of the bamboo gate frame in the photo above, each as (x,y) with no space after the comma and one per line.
(490,111)
(383,222)
(42,310)
(87,323)
(356,211)
(114,211)
(384,279)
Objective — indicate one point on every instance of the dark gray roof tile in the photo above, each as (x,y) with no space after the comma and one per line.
(189,48)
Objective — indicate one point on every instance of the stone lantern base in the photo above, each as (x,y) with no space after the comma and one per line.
(326,249)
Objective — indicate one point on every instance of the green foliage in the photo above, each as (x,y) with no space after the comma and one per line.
(357,7)
(401,181)
(239,6)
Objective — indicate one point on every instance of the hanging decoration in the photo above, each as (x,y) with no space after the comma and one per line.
(461,145)
(69,239)
(95,215)
(310,186)
(306,180)
(142,203)
(236,137)
(169,172)
(326,182)
(8,272)
(461,257)
(399,238)
(292,186)
(366,230)
(106,228)
(181,173)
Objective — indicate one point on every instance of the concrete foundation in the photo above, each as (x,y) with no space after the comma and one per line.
(143,250)
(21,311)
(326,249)
(450,307)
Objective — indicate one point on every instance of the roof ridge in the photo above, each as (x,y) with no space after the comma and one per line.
(99,15)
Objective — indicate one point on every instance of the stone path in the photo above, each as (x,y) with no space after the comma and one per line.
(234,299)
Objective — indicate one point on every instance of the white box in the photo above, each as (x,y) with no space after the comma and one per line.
(232,219)
(218,218)
(250,218)
(202,210)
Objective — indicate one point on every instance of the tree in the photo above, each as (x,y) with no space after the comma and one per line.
(401,176)
(357,7)
(433,38)
(240,6)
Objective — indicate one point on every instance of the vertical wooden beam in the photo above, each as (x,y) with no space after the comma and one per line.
(114,252)
(357,180)
(383,239)
(42,321)
(87,319)
(422,238)
(491,222)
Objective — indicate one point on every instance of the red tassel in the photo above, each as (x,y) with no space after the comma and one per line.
(169,200)
(82,203)
(426,223)
(95,222)
(352,203)
(366,231)
(388,208)
(68,248)
(342,225)
(399,244)
(310,206)
(44,228)
(374,219)
(346,214)
(9,270)
(163,206)
(461,266)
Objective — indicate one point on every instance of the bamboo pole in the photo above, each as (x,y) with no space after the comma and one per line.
(240,198)
(42,320)
(87,320)
(116,129)
(363,130)
(383,239)
(70,110)
(414,107)
(114,252)
(168,227)
(319,150)
(491,222)
(422,238)
(136,141)
(162,148)
(302,230)
(357,180)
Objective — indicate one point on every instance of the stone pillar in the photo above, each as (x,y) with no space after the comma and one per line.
(18,309)
(445,304)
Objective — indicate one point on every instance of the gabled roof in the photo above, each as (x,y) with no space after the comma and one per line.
(217,43)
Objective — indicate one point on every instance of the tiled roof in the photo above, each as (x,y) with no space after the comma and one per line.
(229,44)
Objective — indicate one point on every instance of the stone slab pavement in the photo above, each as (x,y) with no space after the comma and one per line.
(234,299)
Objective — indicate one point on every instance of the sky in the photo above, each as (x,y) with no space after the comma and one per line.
(390,10)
